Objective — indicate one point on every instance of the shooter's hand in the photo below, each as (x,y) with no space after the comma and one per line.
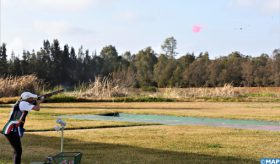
(38,102)
(41,98)
(36,105)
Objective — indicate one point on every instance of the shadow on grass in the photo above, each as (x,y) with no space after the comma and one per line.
(38,147)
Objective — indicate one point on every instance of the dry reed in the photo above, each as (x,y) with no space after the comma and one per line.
(14,86)
(226,91)
(101,88)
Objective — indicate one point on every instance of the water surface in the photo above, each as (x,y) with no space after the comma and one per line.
(176,120)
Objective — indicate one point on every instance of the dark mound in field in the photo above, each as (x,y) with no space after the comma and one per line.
(114,114)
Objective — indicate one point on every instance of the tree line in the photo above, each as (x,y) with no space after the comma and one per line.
(66,66)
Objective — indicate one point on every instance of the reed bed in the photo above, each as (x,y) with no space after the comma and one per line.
(225,91)
(101,88)
(15,85)
(104,88)
(108,87)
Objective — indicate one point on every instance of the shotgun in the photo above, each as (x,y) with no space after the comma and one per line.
(45,96)
(42,97)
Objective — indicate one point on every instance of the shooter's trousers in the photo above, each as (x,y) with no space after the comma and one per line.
(14,140)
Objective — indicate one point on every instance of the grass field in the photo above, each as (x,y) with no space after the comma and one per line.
(122,142)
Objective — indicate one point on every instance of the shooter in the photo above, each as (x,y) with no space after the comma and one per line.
(13,130)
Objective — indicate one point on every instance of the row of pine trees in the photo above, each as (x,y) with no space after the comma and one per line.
(63,65)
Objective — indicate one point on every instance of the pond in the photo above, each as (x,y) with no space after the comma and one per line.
(177,120)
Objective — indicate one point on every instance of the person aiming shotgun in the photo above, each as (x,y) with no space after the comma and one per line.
(13,130)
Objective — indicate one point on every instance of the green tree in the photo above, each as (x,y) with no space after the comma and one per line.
(186,60)
(247,72)
(184,63)
(164,71)
(66,66)
(262,73)
(231,69)
(160,75)
(109,52)
(234,68)
(177,78)
(14,65)
(44,63)
(112,62)
(144,62)
(57,63)
(3,60)
(127,56)
(215,68)
(276,67)
(169,46)
(197,75)
(73,70)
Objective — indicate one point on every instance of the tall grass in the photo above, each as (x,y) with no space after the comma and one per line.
(102,87)
(226,91)
(15,85)
(112,88)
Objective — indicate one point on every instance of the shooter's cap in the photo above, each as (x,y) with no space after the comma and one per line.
(27,95)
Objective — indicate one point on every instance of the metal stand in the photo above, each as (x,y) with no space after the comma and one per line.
(60,128)
(62,138)
(62,157)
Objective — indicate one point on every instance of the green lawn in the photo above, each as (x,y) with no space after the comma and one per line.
(149,144)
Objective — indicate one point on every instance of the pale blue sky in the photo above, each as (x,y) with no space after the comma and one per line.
(249,26)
